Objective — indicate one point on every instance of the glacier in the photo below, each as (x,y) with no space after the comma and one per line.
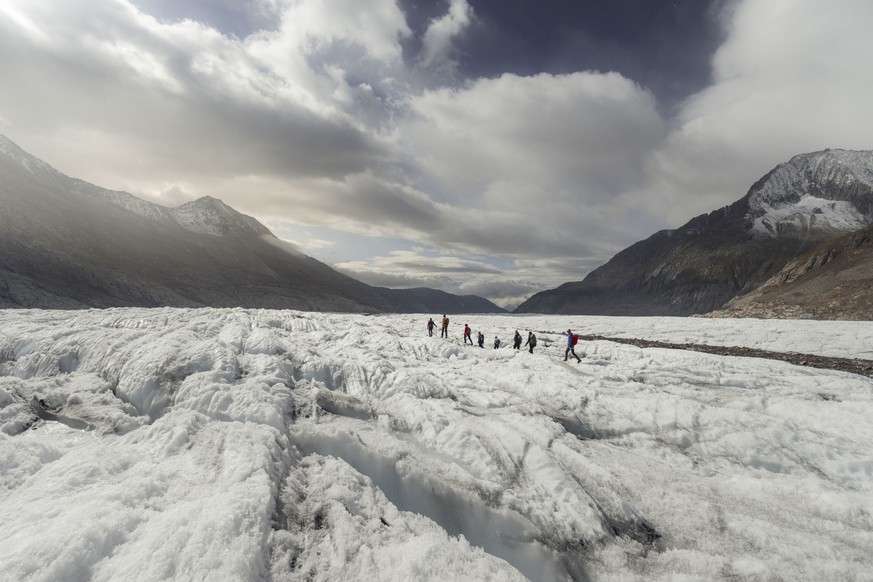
(235,444)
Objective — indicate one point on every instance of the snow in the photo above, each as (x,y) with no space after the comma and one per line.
(232,444)
(810,213)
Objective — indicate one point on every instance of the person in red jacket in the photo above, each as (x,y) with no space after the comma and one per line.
(467,332)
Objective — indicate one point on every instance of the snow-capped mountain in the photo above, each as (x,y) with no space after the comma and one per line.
(715,257)
(828,190)
(66,243)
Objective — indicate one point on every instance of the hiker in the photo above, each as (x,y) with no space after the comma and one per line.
(481,339)
(531,341)
(467,332)
(430,326)
(445,328)
(496,342)
(572,338)
(516,340)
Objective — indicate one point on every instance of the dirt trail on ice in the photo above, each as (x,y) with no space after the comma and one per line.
(851,365)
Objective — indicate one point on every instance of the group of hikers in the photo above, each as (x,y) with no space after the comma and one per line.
(531,342)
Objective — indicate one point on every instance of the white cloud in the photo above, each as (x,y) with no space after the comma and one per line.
(507,286)
(437,48)
(793,76)
(453,274)
(583,135)
(121,99)
(537,160)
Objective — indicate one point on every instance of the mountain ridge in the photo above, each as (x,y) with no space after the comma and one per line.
(204,215)
(66,243)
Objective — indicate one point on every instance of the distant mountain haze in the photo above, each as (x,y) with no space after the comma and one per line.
(717,257)
(65,243)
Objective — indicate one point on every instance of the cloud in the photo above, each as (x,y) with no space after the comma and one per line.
(422,264)
(437,44)
(184,100)
(537,159)
(791,77)
(507,285)
(232,17)
(501,291)
(586,133)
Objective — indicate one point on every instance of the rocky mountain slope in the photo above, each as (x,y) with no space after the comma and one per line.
(716,257)
(832,281)
(65,243)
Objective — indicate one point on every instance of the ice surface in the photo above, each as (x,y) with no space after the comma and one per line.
(238,444)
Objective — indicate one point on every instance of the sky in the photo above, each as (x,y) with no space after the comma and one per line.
(240,445)
(488,147)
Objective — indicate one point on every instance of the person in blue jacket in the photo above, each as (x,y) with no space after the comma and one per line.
(571,346)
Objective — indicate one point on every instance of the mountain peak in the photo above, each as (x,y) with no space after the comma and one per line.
(11,150)
(209,215)
(829,189)
(207,201)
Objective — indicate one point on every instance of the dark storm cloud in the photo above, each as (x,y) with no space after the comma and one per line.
(666,45)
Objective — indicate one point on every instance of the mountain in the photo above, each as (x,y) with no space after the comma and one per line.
(66,243)
(424,300)
(715,257)
(832,281)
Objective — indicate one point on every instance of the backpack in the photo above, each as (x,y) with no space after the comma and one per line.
(533,340)
(575,339)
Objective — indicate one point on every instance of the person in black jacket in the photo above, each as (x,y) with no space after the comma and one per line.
(531,341)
